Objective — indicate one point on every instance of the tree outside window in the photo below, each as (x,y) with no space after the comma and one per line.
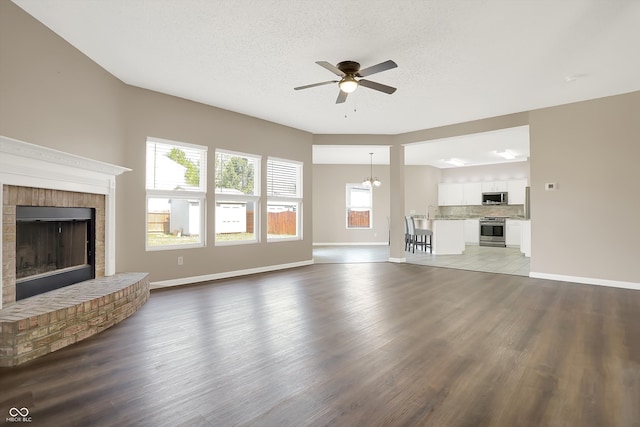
(237,197)
(175,187)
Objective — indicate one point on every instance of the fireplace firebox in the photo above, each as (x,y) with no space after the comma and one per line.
(55,247)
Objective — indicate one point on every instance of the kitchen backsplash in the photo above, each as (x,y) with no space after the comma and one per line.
(476,211)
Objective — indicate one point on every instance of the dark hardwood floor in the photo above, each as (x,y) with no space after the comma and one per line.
(350,345)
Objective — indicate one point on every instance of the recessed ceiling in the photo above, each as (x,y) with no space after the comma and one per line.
(458,60)
(473,149)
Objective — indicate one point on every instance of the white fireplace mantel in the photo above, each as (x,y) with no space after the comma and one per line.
(30,165)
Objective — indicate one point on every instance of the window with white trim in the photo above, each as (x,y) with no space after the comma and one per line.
(237,183)
(359,206)
(175,194)
(284,199)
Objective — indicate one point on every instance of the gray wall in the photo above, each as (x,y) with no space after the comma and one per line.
(421,188)
(329,201)
(54,96)
(153,114)
(589,226)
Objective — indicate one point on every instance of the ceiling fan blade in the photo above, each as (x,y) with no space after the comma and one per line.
(315,84)
(383,66)
(331,68)
(376,86)
(342,96)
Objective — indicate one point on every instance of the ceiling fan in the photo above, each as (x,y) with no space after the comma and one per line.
(349,70)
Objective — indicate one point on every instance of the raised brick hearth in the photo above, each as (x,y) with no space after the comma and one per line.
(44,323)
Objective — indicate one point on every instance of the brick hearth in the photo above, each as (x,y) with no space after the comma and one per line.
(44,323)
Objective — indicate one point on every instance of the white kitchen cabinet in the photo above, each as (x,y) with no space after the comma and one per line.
(459,194)
(450,194)
(513,233)
(472,193)
(516,189)
(494,186)
(472,231)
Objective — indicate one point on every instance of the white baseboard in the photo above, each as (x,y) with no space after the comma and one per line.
(217,276)
(352,244)
(586,280)
(398,260)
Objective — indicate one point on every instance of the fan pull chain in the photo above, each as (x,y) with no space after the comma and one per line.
(354,110)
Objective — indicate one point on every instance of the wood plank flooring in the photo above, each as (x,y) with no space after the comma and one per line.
(376,344)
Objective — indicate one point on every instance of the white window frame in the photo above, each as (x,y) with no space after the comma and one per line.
(199,195)
(348,205)
(222,197)
(295,200)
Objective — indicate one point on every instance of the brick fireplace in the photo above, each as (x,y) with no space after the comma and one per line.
(52,204)
(32,175)
(14,196)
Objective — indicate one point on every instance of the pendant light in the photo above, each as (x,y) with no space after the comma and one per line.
(370,181)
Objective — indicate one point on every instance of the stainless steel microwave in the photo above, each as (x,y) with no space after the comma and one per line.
(499,198)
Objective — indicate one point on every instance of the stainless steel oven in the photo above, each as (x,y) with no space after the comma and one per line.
(492,232)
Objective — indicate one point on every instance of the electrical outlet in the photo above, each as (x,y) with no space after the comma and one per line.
(180,260)
(550,186)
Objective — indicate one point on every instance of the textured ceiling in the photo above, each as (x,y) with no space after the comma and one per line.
(458,60)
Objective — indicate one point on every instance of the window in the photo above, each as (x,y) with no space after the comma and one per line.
(237,183)
(359,206)
(284,199)
(176,190)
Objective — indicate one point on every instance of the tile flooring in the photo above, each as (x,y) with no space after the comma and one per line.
(477,258)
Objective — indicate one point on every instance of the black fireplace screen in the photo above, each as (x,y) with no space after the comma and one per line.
(43,247)
(54,248)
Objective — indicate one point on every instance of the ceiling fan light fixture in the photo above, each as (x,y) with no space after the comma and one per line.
(348,71)
(348,84)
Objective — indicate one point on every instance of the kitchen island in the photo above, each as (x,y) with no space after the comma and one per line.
(448,234)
